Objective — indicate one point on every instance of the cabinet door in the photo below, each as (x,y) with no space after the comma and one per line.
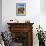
(20,37)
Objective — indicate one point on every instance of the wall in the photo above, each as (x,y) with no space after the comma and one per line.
(0,15)
(43,14)
(9,11)
(33,13)
(43,6)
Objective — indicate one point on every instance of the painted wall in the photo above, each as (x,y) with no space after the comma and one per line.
(33,13)
(43,6)
(0,15)
(43,14)
(9,11)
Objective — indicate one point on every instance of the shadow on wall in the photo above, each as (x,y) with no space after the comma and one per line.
(0,15)
(43,6)
(0,23)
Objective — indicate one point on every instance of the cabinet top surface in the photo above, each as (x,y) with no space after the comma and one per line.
(19,23)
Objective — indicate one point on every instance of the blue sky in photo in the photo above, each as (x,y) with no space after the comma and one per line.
(20,5)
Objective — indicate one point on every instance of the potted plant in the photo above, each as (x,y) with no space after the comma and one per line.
(41,36)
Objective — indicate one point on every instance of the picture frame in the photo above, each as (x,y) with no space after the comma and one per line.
(20,9)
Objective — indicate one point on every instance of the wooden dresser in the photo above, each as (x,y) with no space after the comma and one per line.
(22,33)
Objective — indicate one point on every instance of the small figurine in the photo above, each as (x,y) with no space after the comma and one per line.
(27,21)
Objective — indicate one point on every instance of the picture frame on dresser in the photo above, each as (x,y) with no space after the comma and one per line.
(20,9)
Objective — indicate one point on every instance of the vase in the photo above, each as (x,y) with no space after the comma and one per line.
(41,43)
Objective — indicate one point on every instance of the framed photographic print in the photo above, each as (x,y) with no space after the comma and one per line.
(20,9)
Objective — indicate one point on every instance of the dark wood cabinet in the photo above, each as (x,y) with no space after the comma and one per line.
(22,33)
